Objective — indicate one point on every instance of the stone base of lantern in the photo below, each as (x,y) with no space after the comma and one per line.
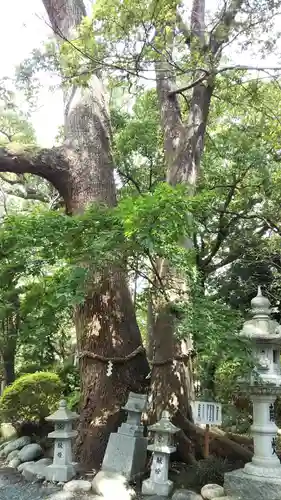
(150,487)
(60,473)
(126,455)
(253,487)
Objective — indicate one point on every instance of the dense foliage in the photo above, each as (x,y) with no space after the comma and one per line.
(31,398)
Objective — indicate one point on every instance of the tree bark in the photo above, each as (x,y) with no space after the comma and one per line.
(82,171)
(50,164)
(171,377)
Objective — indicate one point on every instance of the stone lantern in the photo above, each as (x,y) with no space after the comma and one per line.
(261,478)
(62,468)
(126,449)
(134,407)
(158,482)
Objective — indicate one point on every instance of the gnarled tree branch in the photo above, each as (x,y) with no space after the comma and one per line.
(50,164)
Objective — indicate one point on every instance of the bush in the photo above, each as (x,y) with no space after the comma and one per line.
(31,398)
(69,375)
(73,401)
(31,367)
(206,471)
(211,470)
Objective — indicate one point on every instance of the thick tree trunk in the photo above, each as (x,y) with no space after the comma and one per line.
(105,323)
(183,149)
(183,146)
(82,171)
(171,378)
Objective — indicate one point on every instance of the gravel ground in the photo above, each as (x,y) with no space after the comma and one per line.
(13,487)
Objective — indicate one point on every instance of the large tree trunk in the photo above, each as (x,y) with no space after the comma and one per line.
(171,377)
(105,323)
(183,149)
(82,171)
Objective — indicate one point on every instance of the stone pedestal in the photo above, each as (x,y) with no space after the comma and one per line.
(261,478)
(126,448)
(158,482)
(249,487)
(62,469)
(264,431)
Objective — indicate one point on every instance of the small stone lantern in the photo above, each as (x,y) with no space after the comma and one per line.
(62,468)
(158,482)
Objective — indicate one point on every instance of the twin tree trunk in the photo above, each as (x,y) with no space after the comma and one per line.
(82,171)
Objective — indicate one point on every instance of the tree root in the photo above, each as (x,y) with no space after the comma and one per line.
(242,440)
(220,445)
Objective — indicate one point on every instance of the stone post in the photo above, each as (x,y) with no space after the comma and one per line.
(264,430)
(62,468)
(126,448)
(158,483)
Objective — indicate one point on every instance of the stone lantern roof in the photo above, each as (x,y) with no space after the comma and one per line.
(135,403)
(260,304)
(63,414)
(261,327)
(164,425)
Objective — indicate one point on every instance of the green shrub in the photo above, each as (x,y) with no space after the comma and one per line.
(211,471)
(69,375)
(236,415)
(31,367)
(31,397)
(206,471)
(227,376)
(73,401)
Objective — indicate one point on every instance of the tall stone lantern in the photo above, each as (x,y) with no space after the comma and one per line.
(63,468)
(261,478)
